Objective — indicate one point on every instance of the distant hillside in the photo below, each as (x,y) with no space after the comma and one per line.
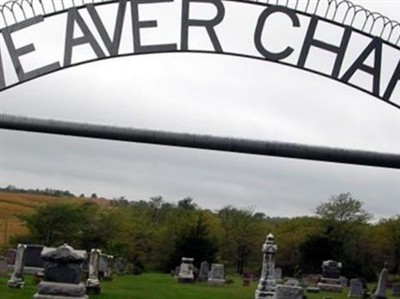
(13,204)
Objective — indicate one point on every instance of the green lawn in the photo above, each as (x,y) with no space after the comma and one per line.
(156,286)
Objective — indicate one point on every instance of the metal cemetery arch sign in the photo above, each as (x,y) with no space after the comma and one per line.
(352,21)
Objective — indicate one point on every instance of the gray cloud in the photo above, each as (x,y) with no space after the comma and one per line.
(205,94)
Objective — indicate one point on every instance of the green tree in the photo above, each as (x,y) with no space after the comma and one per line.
(343,208)
(344,220)
(54,224)
(244,236)
(194,240)
(389,242)
(290,234)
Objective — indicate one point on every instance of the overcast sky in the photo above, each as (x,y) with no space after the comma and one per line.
(205,94)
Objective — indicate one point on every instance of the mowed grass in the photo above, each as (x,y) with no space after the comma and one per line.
(156,286)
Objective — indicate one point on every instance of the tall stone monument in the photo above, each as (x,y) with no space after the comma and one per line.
(17,278)
(62,274)
(93,282)
(267,285)
(380,292)
(186,274)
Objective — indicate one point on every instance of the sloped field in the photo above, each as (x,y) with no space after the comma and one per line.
(14,204)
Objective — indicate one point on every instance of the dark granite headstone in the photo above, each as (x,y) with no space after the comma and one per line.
(33,256)
(330,280)
(62,274)
(331,269)
(63,265)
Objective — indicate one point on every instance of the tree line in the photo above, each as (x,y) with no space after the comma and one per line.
(154,235)
(46,191)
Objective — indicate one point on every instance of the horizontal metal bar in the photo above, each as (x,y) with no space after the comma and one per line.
(236,145)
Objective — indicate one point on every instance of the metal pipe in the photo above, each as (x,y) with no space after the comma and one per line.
(236,145)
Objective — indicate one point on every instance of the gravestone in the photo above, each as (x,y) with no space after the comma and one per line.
(119,266)
(17,278)
(108,274)
(246,279)
(288,292)
(62,274)
(344,281)
(3,266)
(186,271)
(330,280)
(278,274)
(204,269)
(266,286)
(356,289)
(216,276)
(380,292)
(103,263)
(331,269)
(292,282)
(396,290)
(33,260)
(10,255)
(93,282)
(105,266)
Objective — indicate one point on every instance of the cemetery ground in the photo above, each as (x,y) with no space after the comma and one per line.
(152,285)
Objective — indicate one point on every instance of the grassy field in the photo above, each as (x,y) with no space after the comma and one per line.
(156,286)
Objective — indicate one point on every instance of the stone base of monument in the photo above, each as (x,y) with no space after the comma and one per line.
(17,283)
(288,292)
(337,288)
(59,290)
(264,294)
(215,282)
(93,286)
(185,280)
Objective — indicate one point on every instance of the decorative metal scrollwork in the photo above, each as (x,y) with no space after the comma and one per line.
(339,11)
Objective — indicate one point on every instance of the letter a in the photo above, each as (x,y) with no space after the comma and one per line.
(87,38)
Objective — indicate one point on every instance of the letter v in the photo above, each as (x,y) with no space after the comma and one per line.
(112,46)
